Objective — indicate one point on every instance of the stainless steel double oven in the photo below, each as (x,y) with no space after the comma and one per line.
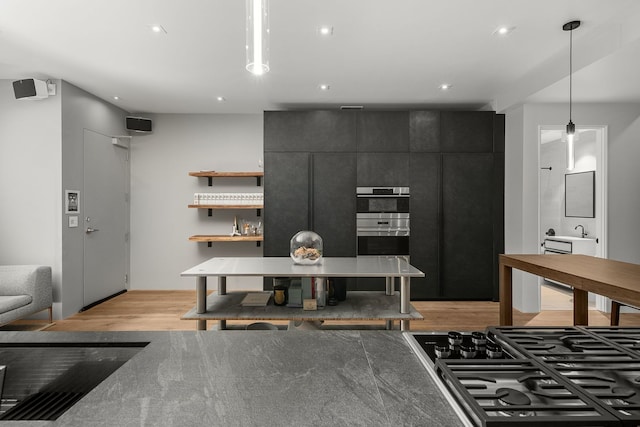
(383,222)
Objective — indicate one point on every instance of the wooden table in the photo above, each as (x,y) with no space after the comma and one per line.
(614,279)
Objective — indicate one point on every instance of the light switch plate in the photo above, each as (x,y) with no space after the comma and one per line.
(73,221)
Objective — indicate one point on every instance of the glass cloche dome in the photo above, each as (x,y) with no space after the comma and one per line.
(306,248)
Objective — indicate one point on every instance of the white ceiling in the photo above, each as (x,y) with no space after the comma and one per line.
(382,53)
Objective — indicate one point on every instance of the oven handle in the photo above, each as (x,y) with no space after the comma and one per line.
(380,196)
(403,232)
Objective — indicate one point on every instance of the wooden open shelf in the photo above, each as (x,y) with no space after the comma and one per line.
(214,174)
(226,206)
(205,238)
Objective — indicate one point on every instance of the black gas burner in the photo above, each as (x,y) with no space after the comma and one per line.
(457,345)
(510,396)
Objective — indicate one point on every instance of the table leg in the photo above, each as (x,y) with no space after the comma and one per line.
(506,295)
(580,307)
(389,325)
(405,301)
(405,295)
(201,301)
(222,290)
(389,285)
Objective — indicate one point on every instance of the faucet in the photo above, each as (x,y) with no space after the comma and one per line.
(583,232)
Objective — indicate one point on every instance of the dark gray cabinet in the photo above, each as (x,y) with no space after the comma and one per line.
(310,191)
(334,202)
(383,131)
(286,195)
(310,131)
(424,131)
(466,131)
(467,226)
(383,169)
(424,241)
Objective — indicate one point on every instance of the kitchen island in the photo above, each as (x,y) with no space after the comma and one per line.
(222,307)
(255,378)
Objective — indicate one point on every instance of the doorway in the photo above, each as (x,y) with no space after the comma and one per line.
(590,148)
(106,217)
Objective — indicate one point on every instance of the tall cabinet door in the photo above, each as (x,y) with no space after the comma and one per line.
(467,226)
(334,202)
(286,195)
(424,241)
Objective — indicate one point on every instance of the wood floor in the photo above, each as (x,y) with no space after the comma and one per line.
(161,311)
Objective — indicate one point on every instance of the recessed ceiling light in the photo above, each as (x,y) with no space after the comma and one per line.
(117,98)
(158,29)
(324,87)
(220,98)
(445,86)
(325,30)
(503,30)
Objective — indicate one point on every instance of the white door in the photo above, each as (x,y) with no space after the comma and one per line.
(106,217)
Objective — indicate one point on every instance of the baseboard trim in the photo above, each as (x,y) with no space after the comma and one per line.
(93,304)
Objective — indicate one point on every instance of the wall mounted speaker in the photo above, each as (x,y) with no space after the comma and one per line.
(30,89)
(138,124)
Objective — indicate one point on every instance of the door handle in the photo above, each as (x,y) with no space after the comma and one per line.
(91,230)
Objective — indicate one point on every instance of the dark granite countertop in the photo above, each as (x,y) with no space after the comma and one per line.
(257,378)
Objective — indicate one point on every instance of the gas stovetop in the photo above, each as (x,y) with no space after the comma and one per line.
(551,376)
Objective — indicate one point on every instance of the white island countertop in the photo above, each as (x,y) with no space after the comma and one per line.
(284,266)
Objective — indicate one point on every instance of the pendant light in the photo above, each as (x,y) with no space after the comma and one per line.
(257,32)
(571,128)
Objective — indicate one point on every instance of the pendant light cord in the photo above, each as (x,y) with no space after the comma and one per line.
(570,71)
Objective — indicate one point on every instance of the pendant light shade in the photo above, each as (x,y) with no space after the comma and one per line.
(571,127)
(257,33)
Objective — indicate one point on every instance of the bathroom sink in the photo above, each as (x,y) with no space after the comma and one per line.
(43,380)
(570,238)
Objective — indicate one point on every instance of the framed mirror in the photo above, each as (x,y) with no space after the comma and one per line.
(579,194)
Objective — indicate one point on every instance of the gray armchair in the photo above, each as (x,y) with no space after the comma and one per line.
(24,290)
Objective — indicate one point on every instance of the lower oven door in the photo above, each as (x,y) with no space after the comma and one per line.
(383,245)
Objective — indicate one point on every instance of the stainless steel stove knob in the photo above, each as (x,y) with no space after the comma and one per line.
(494,351)
(455,338)
(478,338)
(442,351)
(468,351)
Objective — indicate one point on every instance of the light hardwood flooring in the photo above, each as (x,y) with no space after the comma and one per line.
(161,311)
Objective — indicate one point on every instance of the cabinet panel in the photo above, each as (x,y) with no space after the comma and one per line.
(383,131)
(424,131)
(467,268)
(286,199)
(310,131)
(467,131)
(334,202)
(383,169)
(425,224)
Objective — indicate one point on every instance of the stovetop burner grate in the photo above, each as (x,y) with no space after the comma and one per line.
(501,392)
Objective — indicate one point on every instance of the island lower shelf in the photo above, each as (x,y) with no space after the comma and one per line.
(359,305)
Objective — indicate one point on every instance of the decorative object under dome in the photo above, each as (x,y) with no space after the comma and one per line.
(306,248)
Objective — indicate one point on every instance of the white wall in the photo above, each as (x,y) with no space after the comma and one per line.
(161,189)
(30,185)
(521,192)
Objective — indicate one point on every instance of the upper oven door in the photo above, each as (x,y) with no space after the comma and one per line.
(383,200)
